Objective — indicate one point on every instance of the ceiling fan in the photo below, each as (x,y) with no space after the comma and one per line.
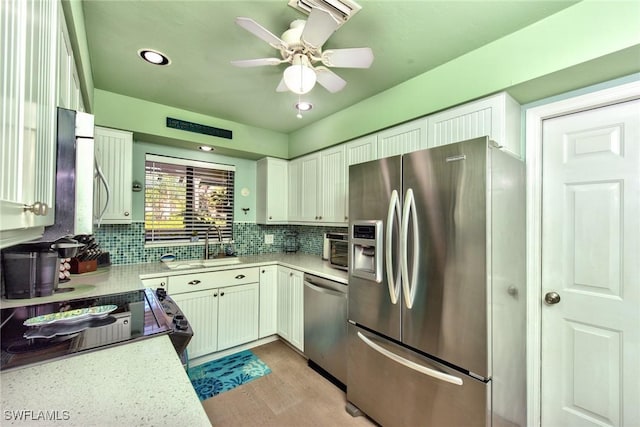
(301,46)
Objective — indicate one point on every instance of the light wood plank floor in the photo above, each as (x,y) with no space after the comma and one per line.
(291,395)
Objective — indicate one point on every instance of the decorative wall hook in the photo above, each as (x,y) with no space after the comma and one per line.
(245,210)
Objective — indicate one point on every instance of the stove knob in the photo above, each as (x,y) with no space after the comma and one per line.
(178,317)
(182,324)
(161,293)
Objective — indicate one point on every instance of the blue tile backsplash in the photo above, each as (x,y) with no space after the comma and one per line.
(125,243)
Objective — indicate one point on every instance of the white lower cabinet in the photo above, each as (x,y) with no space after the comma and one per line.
(268,324)
(221,307)
(291,306)
(201,310)
(238,315)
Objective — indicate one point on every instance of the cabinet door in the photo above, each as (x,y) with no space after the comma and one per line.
(238,315)
(65,61)
(272,191)
(296,285)
(28,52)
(332,186)
(201,310)
(114,155)
(284,303)
(403,138)
(294,207)
(361,150)
(309,167)
(497,116)
(268,301)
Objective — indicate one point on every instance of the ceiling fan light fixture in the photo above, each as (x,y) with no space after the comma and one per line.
(299,77)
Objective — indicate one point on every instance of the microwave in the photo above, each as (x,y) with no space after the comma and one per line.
(338,250)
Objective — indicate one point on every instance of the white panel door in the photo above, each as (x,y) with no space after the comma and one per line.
(201,310)
(590,259)
(238,309)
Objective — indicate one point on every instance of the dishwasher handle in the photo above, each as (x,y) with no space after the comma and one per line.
(322,284)
(327,291)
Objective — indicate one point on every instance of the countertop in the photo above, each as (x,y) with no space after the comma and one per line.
(141,383)
(138,384)
(124,278)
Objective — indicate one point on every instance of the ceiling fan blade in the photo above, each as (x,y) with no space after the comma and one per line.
(319,27)
(259,31)
(330,80)
(357,57)
(245,63)
(281,86)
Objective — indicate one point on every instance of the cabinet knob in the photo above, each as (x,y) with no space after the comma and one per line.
(270,217)
(290,274)
(37,208)
(221,294)
(193,282)
(320,217)
(240,276)
(162,284)
(263,271)
(215,295)
(126,214)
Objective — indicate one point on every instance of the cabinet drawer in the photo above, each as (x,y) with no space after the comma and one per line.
(213,279)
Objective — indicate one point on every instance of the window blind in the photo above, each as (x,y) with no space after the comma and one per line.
(183,198)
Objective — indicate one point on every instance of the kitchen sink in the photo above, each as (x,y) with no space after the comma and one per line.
(202,263)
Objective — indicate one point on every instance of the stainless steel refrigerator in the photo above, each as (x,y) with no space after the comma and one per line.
(437,288)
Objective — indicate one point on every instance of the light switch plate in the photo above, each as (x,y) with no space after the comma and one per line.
(268,239)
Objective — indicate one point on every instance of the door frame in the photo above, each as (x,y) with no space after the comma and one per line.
(533,142)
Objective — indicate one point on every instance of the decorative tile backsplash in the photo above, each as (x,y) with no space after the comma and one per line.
(125,243)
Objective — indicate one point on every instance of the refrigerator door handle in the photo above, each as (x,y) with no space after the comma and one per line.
(393,216)
(410,364)
(409,284)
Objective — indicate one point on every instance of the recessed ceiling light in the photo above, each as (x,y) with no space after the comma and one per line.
(205,148)
(304,106)
(154,57)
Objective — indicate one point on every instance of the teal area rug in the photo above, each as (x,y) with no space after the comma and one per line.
(217,376)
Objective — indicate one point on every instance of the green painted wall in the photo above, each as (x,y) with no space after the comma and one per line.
(148,121)
(576,35)
(245,176)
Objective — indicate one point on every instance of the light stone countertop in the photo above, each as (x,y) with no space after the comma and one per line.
(140,383)
(137,384)
(124,278)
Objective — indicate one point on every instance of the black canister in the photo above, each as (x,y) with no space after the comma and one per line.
(29,274)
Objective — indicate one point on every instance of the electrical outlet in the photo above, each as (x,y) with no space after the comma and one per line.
(268,239)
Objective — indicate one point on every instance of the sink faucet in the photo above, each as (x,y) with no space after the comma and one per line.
(206,239)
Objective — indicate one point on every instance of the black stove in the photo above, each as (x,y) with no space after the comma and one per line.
(50,331)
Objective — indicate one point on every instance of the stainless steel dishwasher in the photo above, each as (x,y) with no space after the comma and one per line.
(325,326)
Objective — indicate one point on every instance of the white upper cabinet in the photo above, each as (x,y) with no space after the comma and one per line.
(318,187)
(114,151)
(403,138)
(68,83)
(361,150)
(272,195)
(497,116)
(332,187)
(27,128)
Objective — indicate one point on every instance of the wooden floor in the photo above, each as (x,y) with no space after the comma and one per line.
(291,395)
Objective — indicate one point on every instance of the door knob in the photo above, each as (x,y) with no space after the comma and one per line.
(552,298)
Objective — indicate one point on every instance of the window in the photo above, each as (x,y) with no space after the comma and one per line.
(183,198)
